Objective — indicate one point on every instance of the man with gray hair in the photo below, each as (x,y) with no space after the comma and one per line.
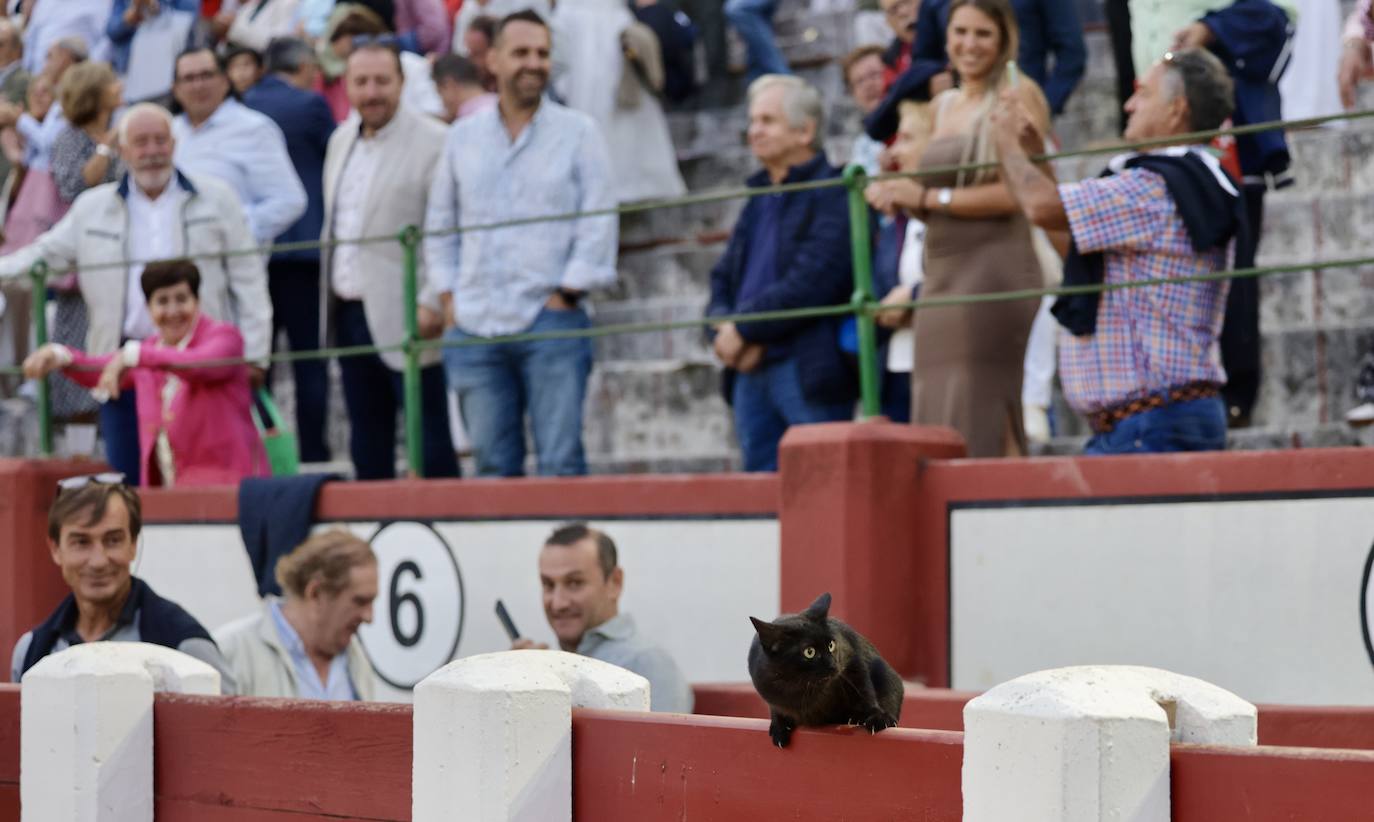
(285,95)
(155,212)
(787,251)
(1143,364)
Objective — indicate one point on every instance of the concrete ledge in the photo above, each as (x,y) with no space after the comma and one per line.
(1089,743)
(86,729)
(493,733)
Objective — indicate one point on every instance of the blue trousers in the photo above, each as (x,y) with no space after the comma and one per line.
(375,397)
(119,427)
(753,19)
(770,400)
(498,385)
(1197,425)
(295,289)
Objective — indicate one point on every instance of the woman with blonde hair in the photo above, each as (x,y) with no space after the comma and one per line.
(968,362)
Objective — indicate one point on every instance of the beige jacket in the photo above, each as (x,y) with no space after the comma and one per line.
(262,666)
(396,198)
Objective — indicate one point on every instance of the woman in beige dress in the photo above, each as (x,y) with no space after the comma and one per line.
(968,364)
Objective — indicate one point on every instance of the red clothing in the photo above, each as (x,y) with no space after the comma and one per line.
(209,423)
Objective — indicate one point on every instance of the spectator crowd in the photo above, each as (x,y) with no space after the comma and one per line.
(148,143)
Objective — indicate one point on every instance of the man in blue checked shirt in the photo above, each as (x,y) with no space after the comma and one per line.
(526,157)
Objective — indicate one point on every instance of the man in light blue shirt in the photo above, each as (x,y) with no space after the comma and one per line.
(526,157)
(219,136)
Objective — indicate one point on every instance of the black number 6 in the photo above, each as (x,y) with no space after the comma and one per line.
(398,599)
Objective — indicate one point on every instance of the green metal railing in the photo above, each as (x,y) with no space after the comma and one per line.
(862,305)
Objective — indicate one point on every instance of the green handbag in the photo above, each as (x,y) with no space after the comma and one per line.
(280,444)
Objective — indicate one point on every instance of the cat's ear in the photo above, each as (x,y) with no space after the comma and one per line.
(767,631)
(819,609)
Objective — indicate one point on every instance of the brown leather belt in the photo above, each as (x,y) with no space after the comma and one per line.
(1105,420)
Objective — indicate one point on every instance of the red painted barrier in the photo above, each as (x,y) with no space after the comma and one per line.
(9,753)
(32,584)
(631,767)
(937,709)
(241,759)
(1270,784)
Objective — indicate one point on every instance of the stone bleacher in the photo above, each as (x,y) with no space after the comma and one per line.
(654,401)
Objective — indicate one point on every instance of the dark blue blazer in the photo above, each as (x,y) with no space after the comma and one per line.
(1047,27)
(1253,40)
(814,269)
(305,119)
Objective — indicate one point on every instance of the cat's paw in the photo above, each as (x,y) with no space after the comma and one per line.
(780,730)
(878,720)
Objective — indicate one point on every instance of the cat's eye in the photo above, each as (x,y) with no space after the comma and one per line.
(832,646)
(809,652)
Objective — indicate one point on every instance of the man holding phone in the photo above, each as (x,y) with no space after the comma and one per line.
(582,583)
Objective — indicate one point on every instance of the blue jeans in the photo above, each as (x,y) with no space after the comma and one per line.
(1197,425)
(770,400)
(119,427)
(375,395)
(498,384)
(753,19)
(294,286)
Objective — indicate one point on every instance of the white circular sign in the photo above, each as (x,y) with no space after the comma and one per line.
(417,618)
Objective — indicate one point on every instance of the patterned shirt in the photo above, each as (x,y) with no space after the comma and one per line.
(1152,338)
(559,164)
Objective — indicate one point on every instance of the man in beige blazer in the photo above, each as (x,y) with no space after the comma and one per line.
(377,172)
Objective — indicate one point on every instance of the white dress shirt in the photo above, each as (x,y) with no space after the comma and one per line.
(154,234)
(54,19)
(245,149)
(350,210)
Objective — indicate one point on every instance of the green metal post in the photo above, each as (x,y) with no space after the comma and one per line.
(415,451)
(855,179)
(39,273)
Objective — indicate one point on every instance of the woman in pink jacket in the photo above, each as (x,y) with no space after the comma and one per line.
(195,425)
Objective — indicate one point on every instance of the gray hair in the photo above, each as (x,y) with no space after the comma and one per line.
(142,108)
(801,103)
(288,55)
(75,46)
(1205,85)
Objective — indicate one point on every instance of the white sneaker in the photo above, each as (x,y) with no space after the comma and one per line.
(1361,415)
(1036,420)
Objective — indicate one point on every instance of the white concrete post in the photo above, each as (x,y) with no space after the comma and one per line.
(493,733)
(86,729)
(1089,743)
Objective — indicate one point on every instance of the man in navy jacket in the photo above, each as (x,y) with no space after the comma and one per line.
(787,251)
(294,276)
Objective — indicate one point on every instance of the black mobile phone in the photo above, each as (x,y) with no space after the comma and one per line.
(504,615)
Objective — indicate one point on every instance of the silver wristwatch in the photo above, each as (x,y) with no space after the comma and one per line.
(105,151)
(944,197)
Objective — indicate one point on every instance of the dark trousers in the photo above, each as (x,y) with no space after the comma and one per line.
(1240,334)
(295,289)
(1118,14)
(119,427)
(375,395)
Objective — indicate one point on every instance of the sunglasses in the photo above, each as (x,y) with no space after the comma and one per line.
(389,41)
(77,483)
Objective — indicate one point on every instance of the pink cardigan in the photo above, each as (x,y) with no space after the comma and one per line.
(209,423)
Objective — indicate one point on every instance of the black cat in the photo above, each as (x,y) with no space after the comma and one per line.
(814,670)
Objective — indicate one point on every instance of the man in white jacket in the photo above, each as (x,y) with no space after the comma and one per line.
(154,213)
(305,644)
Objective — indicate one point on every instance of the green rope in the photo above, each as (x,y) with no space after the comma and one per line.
(871,307)
(747,192)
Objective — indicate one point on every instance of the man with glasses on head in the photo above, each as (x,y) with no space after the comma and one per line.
(219,136)
(93,528)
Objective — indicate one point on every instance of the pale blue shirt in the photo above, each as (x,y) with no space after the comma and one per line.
(39,136)
(245,149)
(559,164)
(619,642)
(339,688)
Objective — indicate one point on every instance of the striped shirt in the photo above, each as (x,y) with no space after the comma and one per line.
(559,164)
(1152,338)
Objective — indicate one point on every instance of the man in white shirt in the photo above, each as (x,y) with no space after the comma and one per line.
(221,137)
(53,20)
(377,171)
